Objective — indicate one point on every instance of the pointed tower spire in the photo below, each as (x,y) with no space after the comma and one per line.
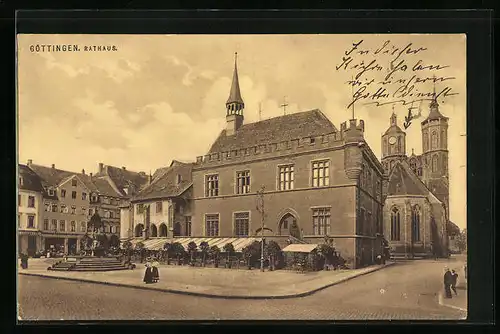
(234,104)
(235,94)
(434,112)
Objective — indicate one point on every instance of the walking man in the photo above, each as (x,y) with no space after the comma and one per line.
(447,280)
(454,277)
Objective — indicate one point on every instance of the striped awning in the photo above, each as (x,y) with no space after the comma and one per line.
(300,248)
(157,243)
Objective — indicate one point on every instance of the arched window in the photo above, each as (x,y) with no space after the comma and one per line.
(434,140)
(391,164)
(400,149)
(426,140)
(154,231)
(163,230)
(138,230)
(413,165)
(415,223)
(385,145)
(443,138)
(395,224)
(434,164)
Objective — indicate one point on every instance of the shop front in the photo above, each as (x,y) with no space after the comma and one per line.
(61,244)
(29,242)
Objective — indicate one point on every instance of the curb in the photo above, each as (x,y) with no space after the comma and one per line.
(442,303)
(208,295)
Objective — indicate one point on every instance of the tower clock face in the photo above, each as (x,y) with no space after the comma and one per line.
(392,140)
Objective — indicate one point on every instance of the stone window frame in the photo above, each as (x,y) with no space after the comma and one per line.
(245,177)
(324,212)
(212,220)
(212,185)
(395,232)
(326,173)
(242,219)
(285,169)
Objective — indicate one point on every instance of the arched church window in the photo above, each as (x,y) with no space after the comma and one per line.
(413,166)
(425,139)
(395,224)
(400,150)
(434,140)
(415,223)
(443,140)
(385,145)
(434,164)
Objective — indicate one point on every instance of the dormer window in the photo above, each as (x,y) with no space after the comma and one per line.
(94,198)
(51,192)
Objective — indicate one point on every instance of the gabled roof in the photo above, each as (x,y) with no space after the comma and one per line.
(52,177)
(123,178)
(274,130)
(31,181)
(104,187)
(165,185)
(452,228)
(402,181)
(438,186)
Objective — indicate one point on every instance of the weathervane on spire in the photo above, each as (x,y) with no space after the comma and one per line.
(284,105)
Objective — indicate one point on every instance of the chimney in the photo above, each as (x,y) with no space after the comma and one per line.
(124,168)
(53,166)
(90,174)
(101,167)
(30,162)
(83,171)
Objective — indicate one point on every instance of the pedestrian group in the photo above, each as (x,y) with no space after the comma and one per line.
(151,275)
(450,282)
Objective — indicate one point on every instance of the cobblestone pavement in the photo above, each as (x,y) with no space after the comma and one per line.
(405,291)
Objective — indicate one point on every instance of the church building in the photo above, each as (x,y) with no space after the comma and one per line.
(317,181)
(416,191)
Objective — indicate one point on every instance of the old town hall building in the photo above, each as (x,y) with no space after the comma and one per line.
(318,180)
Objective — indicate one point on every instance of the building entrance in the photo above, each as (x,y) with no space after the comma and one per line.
(31,245)
(288,226)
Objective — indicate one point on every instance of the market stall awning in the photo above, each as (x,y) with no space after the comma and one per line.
(300,248)
(157,243)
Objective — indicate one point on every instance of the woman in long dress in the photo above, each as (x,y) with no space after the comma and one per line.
(148,275)
(156,274)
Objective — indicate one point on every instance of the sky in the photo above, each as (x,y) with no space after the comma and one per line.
(162,97)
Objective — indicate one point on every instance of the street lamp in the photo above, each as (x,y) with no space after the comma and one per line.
(260,208)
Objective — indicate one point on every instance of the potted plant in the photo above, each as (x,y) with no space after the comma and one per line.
(214,254)
(273,249)
(192,247)
(179,251)
(229,249)
(204,247)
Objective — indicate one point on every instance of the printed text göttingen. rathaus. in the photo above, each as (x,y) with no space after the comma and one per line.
(71,48)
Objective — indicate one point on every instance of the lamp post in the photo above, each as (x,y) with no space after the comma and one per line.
(260,208)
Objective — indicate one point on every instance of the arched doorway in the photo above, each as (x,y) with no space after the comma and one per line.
(154,230)
(288,226)
(163,230)
(138,230)
(177,229)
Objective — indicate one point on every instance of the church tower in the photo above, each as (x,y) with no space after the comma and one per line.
(234,104)
(435,153)
(393,144)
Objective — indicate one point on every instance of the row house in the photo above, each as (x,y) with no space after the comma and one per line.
(162,208)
